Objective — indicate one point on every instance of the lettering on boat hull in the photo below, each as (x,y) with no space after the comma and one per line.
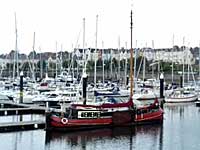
(88,114)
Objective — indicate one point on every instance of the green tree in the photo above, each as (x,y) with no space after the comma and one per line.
(90,66)
(65,63)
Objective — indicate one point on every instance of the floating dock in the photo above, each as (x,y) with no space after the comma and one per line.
(20,111)
(19,126)
(8,109)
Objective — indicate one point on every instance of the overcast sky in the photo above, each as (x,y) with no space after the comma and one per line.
(62,21)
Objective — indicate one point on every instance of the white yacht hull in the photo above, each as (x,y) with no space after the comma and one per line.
(181,99)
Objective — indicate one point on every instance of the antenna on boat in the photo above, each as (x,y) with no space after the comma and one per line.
(131,60)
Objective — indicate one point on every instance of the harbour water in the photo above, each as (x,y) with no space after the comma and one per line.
(179,131)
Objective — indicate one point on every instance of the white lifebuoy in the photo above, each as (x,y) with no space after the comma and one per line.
(64,120)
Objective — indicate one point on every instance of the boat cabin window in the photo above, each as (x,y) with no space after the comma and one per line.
(53,95)
(44,84)
(112,100)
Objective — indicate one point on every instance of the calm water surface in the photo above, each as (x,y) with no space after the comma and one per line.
(180,131)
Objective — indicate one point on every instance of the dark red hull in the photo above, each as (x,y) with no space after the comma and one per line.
(125,118)
(81,117)
(149,117)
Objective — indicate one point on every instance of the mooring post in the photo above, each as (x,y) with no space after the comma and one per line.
(84,88)
(21,87)
(47,120)
(127,81)
(161,89)
(161,85)
(181,81)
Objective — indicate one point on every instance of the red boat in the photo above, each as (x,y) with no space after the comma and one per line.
(79,117)
(83,116)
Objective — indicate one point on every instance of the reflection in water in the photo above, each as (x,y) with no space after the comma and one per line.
(181,126)
(179,110)
(83,138)
(115,138)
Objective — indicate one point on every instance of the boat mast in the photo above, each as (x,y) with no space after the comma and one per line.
(56,60)
(125,72)
(16,51)
(173,59)
(41,63)
(183,60)
(103,60)
(77,63)
(153,58)
(158,65)
(199,60)
(158,53)
(144,63)
(61,59)
(131,61)
(72,58)
(118,75)
(84,57)
(95,62)
(188,64)
(111,70)
(33,73)
(135,63)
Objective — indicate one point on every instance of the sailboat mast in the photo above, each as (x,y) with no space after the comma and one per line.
(199,59)
(131,61)
(183,61)
(144,63)
(16,51)
(84,58)
(111,70)
(125,71)
(72,58)
(173,59)
(95,62)
(118,75)
(17,47)
(33,73)
(61,59)
(188,65)
(153,57)
(159,65)
(135,63)
(41,63)
(56,60)
(103,60)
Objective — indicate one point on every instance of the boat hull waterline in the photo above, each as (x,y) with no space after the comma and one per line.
(107,117)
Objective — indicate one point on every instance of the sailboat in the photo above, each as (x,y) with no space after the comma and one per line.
(107,114)
(181,95)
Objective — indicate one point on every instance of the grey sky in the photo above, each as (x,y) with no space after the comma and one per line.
(62,21)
